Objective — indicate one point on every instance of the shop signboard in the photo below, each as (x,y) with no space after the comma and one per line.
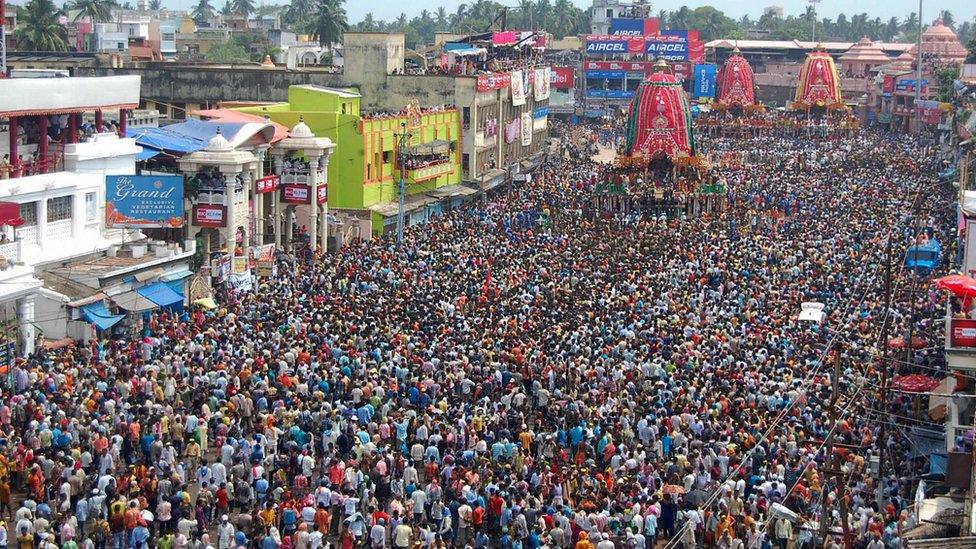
(296,193)
(267,184)
(210,215)
(493,81)
(144,201)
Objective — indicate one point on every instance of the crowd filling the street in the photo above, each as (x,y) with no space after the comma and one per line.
(533,370)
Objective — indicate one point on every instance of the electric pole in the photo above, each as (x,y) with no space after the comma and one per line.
(3,39)
(885,327)
(401,154)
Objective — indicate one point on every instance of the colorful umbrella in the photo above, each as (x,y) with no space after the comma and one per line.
(916,383)
(960,285)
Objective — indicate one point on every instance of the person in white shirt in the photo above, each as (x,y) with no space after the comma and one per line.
(377,535)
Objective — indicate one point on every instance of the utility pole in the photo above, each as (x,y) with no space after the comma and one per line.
(3,40)
(813,25)
(832,461)
(401,157)
(918,73)
(885,327)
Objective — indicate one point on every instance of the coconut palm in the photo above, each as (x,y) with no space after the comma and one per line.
(329,22)
(441,19)
(155,5)
(457,18)
(96,11)
(40,30)
(243,7)
(203,11)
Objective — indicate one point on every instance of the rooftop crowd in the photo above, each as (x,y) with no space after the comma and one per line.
(516,377)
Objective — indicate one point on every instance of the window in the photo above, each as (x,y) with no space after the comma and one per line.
(120,46)
(91,207)
(28,212)
(59,209)
(466,117)
(610,14)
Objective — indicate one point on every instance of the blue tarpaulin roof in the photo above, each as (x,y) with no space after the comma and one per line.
(96,313)
(160,294)
(146,154)
(185,137)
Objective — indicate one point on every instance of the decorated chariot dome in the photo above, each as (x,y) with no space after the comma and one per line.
(659,121)
(735,82)
(819,84)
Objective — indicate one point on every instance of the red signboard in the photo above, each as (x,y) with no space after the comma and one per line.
(888,87)
(210,215)
(963,333)
(630,66)
(296,194)
(322,194)
(494,81)
(563,77)
(504,38)
(267,184)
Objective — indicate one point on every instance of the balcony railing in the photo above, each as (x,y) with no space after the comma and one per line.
(430,172)
(59,229)
(9,254)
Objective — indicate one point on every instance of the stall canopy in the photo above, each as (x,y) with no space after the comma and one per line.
(160,294)
(10,214)
(96,313)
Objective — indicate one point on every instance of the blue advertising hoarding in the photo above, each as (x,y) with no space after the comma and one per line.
(668,48)
(540,112)
(634,27)
(610,94)
(144,201)
(610,75)
(704,81)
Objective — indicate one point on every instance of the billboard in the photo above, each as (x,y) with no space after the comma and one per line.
(493,81)
(610,75)
(609,94)
(267,184)
(322,194)
(704,81)
(144,201)
(666,47)
(563,77)
(888,86)
(210,215)
(296,194)
(909,85)
(634,27)
(614,44)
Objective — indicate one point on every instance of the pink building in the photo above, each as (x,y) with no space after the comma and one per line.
(863,59)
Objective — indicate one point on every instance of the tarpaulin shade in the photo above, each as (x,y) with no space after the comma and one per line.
(160,294)
(96,313)
(10,214)
(960,285)
(165,140)
(916,383)
(146,154)
(133,302)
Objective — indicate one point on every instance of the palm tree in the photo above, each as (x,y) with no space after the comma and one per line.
(155,5)
(298,12)
(227,8)
(96,11)
(948,19)
(563,19)
(457,18)
(243,7)
(441,19)
(329,22)
(400,24)
(910,24)
(40,30)
(202,12)
(368,24)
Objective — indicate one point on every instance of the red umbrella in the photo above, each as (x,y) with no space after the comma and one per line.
(960,285)
(916,383)
(899,343)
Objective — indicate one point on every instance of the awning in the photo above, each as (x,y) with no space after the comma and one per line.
(10,214)
(87,300)
(133,302)
(146,154)
(160,294)
(96,313)
(465,51)
(176,275)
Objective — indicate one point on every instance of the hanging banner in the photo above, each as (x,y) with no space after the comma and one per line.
(210,215)
(704,81)
(607,75)
(239,264)
(526,129)
(512,130)
(563,78)
(888,87)
(541,85)
(322,194)
(493,81)
(504,38)
(296,194)
(518,89)
(267,184)
(144,201)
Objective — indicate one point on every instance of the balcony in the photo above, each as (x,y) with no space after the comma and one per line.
(481,140)
(430,172)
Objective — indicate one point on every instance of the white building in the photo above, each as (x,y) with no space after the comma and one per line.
(114,36)
(605,10)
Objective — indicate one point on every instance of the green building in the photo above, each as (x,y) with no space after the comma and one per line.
(363,176)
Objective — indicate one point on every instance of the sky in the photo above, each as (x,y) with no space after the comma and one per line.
(389,9)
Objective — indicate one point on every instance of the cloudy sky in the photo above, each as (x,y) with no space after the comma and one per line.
(389,9)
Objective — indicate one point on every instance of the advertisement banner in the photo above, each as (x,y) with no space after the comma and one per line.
(518,89)
(626,66)
(512,130)
(526,129)
(210,215)
(563,78)
(614,44)
(888,86)
(267,184)
(609,75)
(666,47)
(541,84)
(322,194)
(704,81)
(540,112)
(963,333)
(296,194)
(493,81)
(610,94)
(909,85)
(634,27)
(969,252)
(504,38)
(144,201)
(239,264)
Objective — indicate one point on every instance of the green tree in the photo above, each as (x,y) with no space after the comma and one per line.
(40,29)
(228,52)
(441,19)
(458,17)
(971,46)
(227,8)
(298,14)
(946,77)
(891,30)
(203,12)
(948,19)
(563,18)
(96,11)
(368,24)
(243,7)
(329,22)
(155,5)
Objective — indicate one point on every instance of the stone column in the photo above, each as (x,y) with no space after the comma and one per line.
(25,317)
(14,144)
(279,161)
(123,121)
(41,222)
(42,145)
(313,209)
(230,184)
(324,161)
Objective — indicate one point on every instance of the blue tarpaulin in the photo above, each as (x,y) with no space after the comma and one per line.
(146,154)
(185,137)
(160,294)
(96,313)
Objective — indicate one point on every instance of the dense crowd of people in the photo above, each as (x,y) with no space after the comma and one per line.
(517,376)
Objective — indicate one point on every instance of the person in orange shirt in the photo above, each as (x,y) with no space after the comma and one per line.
(584,542)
